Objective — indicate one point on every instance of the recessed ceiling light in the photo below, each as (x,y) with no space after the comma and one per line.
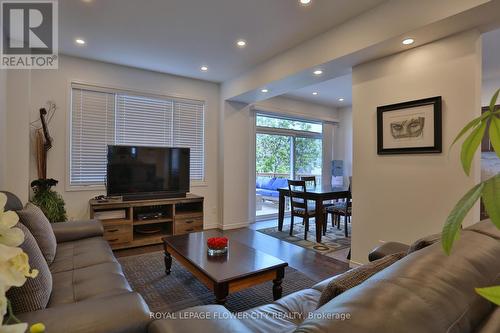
(315,93)
(341,99)
(241,43)
(204,68)
(305,2)
(264,90)
(80,41)
(408,41)
(318,72)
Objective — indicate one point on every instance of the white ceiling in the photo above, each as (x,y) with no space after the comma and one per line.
(341,87)
(329,92)
(491,55)
(179,36)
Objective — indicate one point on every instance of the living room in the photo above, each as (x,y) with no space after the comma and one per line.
(207,91)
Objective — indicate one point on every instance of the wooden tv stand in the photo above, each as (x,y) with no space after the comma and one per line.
(178,216)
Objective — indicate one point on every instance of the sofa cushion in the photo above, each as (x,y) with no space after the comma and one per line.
(427,291)
(81,253)
(97,281)
(261,181)
(300,304)
(424,242)
(267,193)
(34,219)
(268,185)
(269,318)
(279,183)
(35,293)
(355,276)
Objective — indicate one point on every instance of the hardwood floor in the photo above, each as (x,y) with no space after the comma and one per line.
(314,265)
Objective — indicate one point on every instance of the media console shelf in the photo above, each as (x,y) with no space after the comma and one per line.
(144,222)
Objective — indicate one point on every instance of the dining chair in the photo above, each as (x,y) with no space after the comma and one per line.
(326,204)
(299,206)
(341,209)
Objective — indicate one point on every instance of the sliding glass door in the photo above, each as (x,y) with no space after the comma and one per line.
(285,149)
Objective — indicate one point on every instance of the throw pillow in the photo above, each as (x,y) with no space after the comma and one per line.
(36,222)
(35,293)
(424,242)
(355,276)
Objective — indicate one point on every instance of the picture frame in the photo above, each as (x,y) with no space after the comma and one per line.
(413,127)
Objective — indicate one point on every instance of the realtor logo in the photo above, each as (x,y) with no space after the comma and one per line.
(29,34)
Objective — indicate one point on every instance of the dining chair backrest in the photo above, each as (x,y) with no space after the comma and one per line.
(309,179)
(297,189)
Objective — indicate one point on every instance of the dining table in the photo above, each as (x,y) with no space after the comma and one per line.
(319,194)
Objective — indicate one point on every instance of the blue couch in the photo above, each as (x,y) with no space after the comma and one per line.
(267,187)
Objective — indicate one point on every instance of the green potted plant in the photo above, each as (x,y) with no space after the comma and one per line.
(50,202)
(488,190)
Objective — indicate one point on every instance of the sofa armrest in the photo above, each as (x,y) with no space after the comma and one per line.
(124,313)
(218,320)
(387,249)
(75,230)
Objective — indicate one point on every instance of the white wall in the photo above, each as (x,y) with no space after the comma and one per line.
(17,133)
(343,139)
(54,85)
(3,128)
(489,87)
(238,152)
(404,197)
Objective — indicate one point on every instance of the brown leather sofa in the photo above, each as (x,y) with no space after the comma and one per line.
(89,291)
(426,291)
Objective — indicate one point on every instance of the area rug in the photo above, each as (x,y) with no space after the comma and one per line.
(334,244)
(180,289)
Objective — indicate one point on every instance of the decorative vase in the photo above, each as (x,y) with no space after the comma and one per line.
(217,246)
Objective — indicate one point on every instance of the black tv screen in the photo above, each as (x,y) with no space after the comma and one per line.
(136,172)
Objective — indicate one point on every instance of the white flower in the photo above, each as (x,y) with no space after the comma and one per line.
(16,328)
(14,266)
(9,235)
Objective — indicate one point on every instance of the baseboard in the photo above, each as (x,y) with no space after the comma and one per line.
(354,264)
(234,225)
(210,226)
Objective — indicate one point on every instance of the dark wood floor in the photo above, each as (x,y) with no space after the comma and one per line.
(314,265)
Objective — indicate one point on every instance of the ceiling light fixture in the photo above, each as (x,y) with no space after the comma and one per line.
(341,99)
(241,43)
(264,90)
(305,2)
(204,68)
(318,72)
(408,41)
(80,41)
(315,93)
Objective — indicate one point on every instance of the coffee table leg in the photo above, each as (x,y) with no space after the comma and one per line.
(168,260)
(221,291)
(277,289)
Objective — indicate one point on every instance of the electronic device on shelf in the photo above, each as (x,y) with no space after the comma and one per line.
(139,173)
(150,216)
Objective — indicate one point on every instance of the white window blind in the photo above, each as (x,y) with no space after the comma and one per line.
(92,129)
(103,118)
(144,121)
(189,133)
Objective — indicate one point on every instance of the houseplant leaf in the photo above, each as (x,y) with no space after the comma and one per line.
(471,124)
(470,146)
(494,132)
(491,195)
(493,101)
(490,293)
(457,215)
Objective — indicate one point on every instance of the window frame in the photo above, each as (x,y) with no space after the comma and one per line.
(128,91)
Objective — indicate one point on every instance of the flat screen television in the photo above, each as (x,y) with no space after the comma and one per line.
(136,172)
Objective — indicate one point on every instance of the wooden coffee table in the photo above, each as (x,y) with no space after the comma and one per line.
(242,267)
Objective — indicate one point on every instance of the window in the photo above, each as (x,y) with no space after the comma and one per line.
(285,149)
(102,117)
